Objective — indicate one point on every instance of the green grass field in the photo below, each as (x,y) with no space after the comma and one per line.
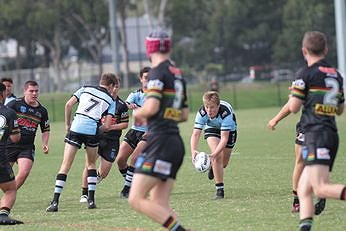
(257,187)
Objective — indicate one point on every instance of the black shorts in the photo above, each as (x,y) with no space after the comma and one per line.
(213,132)
(299,138)
(299,134)
(162,156)
(133,137)
(6,173)
(320,148)
(77,139)
(14,153)
(108,149)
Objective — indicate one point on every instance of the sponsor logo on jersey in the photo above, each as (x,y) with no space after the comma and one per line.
(326,110)
(22,109)
(172,114)
(26,123)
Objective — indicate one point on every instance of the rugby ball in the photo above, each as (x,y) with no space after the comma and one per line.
(202,162)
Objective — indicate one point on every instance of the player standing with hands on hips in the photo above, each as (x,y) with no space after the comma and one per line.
(164,107)
(320,92)
(217,119)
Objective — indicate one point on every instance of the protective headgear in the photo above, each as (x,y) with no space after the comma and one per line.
(157,41)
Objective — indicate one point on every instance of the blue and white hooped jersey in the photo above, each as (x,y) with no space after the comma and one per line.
(225,119)
(137,97)
(93,103)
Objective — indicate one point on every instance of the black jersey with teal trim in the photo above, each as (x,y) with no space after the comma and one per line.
(167,85)
(8,126)
(321,89)
(29,118)
(121,115)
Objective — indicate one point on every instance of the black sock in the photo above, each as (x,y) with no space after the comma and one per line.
(92,180)
(5,211)
(295,197)
(59,186)
(85,191)
(173,224)
(305,224)
(219,186)
(343,194)
(123,172)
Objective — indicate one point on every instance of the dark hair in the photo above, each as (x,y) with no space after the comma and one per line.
(108,79)
(2,87)
(6,80)
(144,70)
(30,83)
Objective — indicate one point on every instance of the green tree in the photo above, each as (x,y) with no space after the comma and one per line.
(300,16)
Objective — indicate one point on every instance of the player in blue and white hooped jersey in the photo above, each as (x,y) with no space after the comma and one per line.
(94,103)
(109,142)
(217,119)
(135,138)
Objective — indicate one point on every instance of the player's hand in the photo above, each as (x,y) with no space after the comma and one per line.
(138,120)
(271,124)
(212,157)
(194,153)
(45,149)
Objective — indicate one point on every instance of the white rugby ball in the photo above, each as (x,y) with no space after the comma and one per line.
(202,162)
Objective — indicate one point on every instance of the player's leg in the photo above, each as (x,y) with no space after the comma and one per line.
(103,169)
(7,201)
(305,193)
(157,207)
(131,169)
(92,174)
(217,166)
(226,156)
(24,168)
(84,196)
(297,171)
(125,151)
(69,155)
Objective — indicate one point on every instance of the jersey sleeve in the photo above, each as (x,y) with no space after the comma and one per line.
(45,125)
(13,123)
(298,89)
(200,119)
(155,84)
(78,93)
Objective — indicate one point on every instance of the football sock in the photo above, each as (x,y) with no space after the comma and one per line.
(219,186)
(123,172)
(305,224)
(295,197)
(85,191)
(129,176)
(5,211)
(343,194)
(59,185)
(92,180)
(172,224)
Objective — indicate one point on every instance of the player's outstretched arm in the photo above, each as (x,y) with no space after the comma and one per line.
(284,112)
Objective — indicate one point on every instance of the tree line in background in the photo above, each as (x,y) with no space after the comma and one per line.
(221,36)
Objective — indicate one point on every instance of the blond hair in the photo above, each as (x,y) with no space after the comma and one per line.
(211,96)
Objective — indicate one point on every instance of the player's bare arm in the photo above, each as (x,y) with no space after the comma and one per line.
(68,109)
